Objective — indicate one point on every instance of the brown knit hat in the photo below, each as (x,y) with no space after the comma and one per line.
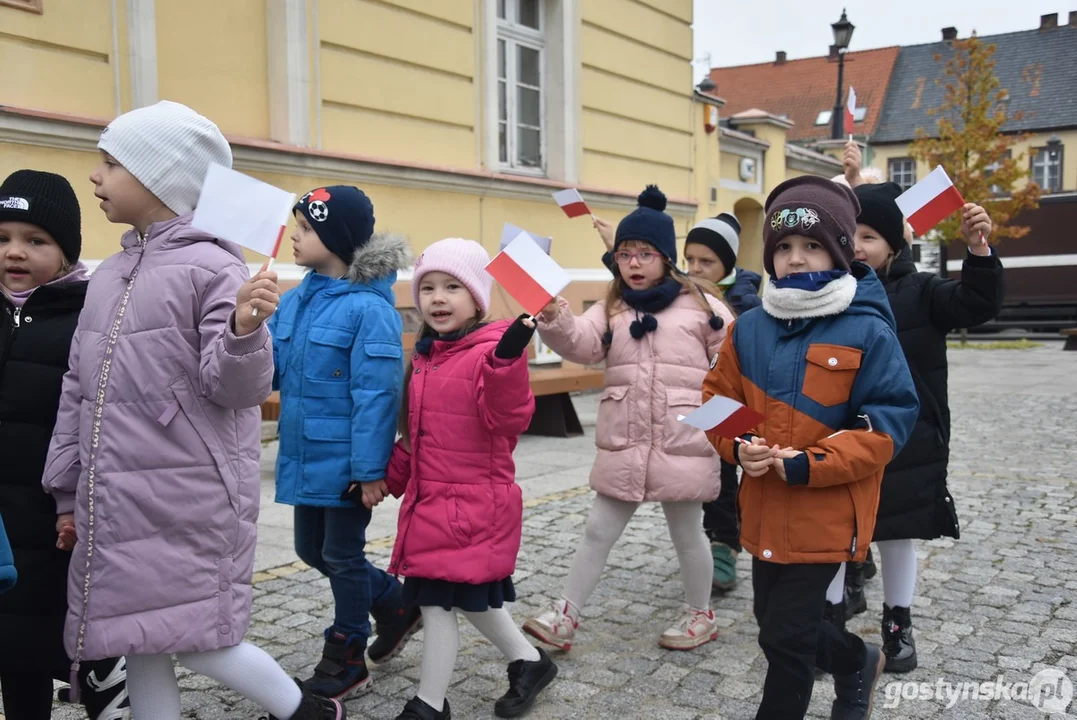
(814,207)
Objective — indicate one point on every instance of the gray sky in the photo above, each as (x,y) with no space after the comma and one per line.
(736,32)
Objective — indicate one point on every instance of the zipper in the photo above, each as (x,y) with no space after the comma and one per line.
(856,528)
(91,473)
(17,314)
(401,561)
(10,340)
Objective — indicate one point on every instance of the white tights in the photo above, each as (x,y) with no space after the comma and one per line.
(606,523)
(899,571)
(441,640)
(244,668)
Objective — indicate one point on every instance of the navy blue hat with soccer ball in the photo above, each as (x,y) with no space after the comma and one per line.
(341,215)
(648,223)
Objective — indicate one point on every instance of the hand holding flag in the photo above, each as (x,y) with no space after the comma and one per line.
(930,201)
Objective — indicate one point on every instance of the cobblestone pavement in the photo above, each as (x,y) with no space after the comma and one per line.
(999,603)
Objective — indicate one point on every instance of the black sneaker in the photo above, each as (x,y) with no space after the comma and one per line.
(416,709)
(856,692)
(392,631)
(103,689)
(314,707)
(855,602)
(526,680)
(342,672)
(835,615)
(898,644)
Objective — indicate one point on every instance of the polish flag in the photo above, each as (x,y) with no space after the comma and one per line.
(930,201)
(572,202)
(724,417)
(850,106)
(529,274)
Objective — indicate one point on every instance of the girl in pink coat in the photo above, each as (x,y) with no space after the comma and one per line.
(467,398)
(658,331)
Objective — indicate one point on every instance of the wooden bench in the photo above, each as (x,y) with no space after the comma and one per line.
(1071,338)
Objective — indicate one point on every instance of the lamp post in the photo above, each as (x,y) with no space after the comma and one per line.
(843,33)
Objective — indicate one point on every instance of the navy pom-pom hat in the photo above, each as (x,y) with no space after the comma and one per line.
(648,223)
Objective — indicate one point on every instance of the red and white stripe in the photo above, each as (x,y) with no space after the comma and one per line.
(930,201)
(724,417)
(529,275)
(850,107)
(572,202)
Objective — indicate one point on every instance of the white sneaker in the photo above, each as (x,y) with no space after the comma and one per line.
(555,627)
(696,628)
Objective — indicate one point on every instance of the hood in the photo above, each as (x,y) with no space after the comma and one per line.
(902,265)
(176,233)
(870,297)
(381,257)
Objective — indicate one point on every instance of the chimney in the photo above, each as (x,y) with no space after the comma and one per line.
(1049,22)
(1073,18)
(949,33)
(833,53)
(779,57)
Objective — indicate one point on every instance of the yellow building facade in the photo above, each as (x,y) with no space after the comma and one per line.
(455,116)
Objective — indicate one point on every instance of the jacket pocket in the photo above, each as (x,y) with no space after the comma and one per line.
(469,510)
(612,427)
(327,365)
(820,520)
(383,350)
(282,345)
(830,373)
(327,429)
(681,438)
(190,406)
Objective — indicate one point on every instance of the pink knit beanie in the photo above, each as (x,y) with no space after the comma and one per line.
(465,260)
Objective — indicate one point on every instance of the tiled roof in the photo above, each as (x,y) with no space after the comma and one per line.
(1038,68)
(801,89)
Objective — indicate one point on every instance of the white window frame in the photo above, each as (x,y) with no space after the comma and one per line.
(890,166)
(515,35)
(1041,167)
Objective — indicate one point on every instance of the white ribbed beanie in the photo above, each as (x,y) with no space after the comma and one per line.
(465,260)
(168,147)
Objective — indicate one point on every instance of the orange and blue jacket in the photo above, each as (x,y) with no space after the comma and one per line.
(837,388)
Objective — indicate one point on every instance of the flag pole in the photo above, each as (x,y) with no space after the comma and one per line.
(272,259)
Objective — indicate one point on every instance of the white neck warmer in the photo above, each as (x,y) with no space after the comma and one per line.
(792,303)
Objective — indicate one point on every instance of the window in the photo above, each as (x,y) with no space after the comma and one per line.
(1047,167)
(990,170)
(521,45)
(903,172)
(31,5)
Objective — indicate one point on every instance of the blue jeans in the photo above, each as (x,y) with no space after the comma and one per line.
(332,540)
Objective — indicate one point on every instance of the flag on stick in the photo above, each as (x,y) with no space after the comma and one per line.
(530,275)
(850,107)
(724,417)
(930,201)
(572,203)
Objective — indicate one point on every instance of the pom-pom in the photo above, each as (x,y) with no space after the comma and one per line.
(607,338)
(652,198)
(650,323)
(716,322)
(636,329)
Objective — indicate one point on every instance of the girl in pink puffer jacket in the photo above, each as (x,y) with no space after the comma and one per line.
(657,332)
(467,398)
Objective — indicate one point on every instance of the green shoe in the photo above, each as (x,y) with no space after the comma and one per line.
(725,567)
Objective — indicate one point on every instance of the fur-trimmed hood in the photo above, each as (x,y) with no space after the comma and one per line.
(384,254)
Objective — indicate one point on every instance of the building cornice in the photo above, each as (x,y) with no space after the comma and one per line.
(809,161)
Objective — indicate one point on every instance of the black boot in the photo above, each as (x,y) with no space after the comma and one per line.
(855,602)
(835,615)
(103,685)
(392,631)
(869,567)
(526,681)
(315,707)
(898,644)
(855,693)
(342,672)
(416,709)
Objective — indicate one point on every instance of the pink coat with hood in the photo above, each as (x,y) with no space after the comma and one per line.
(644,453)
(462,514)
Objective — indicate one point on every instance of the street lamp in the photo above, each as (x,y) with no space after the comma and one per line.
(843,33)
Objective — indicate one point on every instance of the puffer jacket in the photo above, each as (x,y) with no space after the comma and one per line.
(836,388)
(339,366)
(156,449)
(644,453)
(462,514)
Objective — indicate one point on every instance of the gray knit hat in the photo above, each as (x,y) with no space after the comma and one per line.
(168,147)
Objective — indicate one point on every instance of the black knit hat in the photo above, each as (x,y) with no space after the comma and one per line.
(48,201)
(649,224)
(879,210)
(813,207)
(342,216)
(722,235)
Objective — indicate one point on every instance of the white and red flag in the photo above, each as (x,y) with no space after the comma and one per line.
(850,107)
(930,201)
(243,210)
(528,274)
(724,417)
(572,202)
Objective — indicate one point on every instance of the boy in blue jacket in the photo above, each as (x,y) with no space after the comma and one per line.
(339,368)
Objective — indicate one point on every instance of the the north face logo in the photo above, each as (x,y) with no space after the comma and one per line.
(14,203)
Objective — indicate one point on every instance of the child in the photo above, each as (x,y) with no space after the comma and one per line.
(823,365)
(156,443)
(467,399)
(42,288)
(915,502)
(339,365)
(657,332)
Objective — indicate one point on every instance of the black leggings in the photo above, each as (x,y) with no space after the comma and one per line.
(27,696)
